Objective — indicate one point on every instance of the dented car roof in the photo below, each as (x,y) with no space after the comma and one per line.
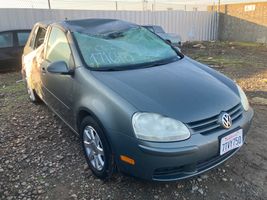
(96,26)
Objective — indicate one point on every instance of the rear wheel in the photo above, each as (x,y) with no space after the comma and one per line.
(96,148)
(32,94)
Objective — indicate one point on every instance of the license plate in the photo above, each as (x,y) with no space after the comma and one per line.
(231,141)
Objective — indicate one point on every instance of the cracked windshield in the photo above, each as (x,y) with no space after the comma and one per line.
(130,47)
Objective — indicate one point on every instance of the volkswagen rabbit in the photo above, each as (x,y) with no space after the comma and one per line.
(138,104)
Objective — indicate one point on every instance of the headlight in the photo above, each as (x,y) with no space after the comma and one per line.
(155,127)
(243,97)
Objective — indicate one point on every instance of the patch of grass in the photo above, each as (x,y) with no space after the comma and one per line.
(7,108)
(40,178)
(9,78)
(220,60)
(14,88)
(9,104)
(247,44)
(224,44)
(22,97)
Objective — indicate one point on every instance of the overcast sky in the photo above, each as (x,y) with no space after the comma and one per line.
(69,3)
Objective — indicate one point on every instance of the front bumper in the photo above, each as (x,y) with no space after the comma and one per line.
(175,160)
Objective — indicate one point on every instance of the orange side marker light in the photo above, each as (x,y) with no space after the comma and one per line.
(127,159)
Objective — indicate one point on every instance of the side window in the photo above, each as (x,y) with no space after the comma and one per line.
(22,38)
(6,39)
(39,39)
(58,48)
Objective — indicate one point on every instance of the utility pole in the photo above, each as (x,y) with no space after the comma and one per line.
(116,3)
(49,5)
(145,5)
(219,6)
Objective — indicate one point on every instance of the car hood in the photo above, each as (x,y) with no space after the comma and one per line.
(182,90)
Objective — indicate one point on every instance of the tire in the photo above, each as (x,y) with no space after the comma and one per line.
(32,94)
(33,97)
(96,148)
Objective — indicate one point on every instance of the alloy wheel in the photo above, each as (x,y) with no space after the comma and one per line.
(93,148)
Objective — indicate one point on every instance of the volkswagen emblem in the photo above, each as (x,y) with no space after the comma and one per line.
(225,120)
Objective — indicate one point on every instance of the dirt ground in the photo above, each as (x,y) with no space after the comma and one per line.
(40,158)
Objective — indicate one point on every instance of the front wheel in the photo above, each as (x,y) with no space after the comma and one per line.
(96,148)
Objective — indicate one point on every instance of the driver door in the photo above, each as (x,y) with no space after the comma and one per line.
(58,88)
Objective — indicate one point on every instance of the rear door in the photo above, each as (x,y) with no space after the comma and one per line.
(58,89)
(8,56)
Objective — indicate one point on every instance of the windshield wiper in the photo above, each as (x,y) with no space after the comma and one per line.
(109,69)
(160,62)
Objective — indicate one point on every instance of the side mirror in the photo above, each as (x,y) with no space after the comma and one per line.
(178,51)
(168,41)
(59,67)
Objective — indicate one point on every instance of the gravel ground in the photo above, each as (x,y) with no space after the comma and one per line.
(40,158)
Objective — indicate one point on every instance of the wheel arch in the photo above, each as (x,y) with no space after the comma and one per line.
(84,112)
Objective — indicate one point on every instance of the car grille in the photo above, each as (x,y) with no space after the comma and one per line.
(210,125)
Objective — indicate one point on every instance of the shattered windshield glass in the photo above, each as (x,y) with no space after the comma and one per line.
(135,46)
